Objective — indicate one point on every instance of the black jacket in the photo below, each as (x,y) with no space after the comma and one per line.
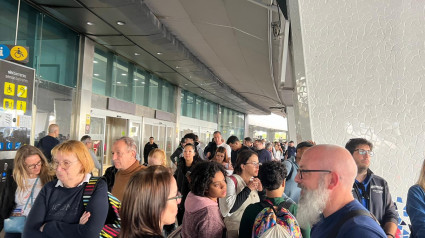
(212,148)
(380,202)
(46,145)
(175,156)
(109,177)
(147,150)
(7,197)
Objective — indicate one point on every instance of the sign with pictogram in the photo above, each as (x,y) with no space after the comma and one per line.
(21,106)
(19,53)
(22,91)
(8,104)
(16,95)
(9,89)
(4,51)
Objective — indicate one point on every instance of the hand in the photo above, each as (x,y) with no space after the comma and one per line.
(208,155)
(251,185)
(258,184)
(84,218)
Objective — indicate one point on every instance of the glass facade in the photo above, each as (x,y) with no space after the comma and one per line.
(231,122)
(114,76)
(198,107)
(53,53)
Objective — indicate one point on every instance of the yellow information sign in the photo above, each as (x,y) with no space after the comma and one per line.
(22,91)
(19,53)
(9,89)
(21,106)
(8,103)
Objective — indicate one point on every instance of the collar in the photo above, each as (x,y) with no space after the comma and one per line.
(85,180)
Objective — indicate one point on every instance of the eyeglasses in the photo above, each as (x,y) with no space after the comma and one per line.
(363,152)
(301,171)
(178,198)
(256,164)
(33,166)
(65,164)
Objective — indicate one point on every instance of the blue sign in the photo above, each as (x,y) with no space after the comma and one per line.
(17,145)
(1,145)
(4,52)
(9,146)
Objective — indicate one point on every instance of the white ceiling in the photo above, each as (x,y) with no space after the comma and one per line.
(222,50)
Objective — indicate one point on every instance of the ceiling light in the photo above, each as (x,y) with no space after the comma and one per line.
(159,53)
(118,82)
(185,84)
(96,75)
(143,82)
(120,23)
(178,67)
(136,79)
(94,61)
(136,54)
(90,23)
(124,74)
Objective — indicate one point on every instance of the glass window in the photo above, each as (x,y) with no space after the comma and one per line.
(183,103)
(198,108)
(100,73)
(189,104)
(122,85)
(140,78)
(153,92)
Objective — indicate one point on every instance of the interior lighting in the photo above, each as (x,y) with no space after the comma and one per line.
(90,23)
(123,74)
(94,61)
(136,54)
(96,75)
(143,82)
(159,53)
(178,67)
(136,79)
(120,23)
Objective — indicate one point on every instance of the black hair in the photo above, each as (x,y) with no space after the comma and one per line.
(248,139)
(85,137)
(202,175)
(243,157)
(232,140)
(190,136)
(354,142)
(151,137)
(272,174)
(182,140)
(304,144)
(291,141)
(196,157)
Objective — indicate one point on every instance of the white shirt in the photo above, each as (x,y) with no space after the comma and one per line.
(86,179)
(21,196)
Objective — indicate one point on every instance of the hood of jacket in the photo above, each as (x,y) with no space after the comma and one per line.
(195,203)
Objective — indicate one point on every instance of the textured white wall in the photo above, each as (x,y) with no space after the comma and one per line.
(365,66)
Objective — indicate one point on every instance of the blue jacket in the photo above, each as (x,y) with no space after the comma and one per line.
(291,187)
(415,207)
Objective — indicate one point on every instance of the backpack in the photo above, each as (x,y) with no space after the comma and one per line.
(112,225)
(275,222)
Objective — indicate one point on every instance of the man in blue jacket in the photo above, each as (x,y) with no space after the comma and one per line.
(371,190)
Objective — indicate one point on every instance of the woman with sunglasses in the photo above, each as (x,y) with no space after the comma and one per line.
(59,210)
(242,190)
(202,217)
(150,202)
(23,184)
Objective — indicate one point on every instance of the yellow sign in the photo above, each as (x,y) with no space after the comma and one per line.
(8,103)
(9,89)
(21,105)
(87,119)
(22,91)
(19,53)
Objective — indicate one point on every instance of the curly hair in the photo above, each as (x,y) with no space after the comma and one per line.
(354,142)
(243,157)
(272,174)
(202,176)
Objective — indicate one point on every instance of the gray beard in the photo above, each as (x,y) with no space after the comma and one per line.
(311,205)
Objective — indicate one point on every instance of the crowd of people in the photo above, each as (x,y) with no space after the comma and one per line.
(230,188)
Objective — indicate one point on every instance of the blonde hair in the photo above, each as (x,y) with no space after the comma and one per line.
(421,180)
(80,151)
(20,174)
(160,154)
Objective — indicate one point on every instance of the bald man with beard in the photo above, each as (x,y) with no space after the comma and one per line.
(326,177)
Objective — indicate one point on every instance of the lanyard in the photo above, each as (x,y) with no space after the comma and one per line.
(31,196)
